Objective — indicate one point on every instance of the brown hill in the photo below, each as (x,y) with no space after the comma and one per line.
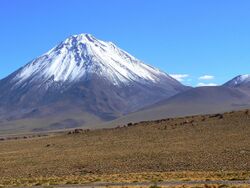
(214,143)
(200,100)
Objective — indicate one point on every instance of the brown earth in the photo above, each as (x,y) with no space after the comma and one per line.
(212,145)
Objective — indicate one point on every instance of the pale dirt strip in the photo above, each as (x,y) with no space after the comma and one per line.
(161,184)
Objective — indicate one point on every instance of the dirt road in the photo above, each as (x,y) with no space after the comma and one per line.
(161,184)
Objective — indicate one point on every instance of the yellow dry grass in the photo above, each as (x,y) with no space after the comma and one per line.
(190,148)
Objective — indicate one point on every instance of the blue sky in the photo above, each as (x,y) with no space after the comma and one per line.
(201,41)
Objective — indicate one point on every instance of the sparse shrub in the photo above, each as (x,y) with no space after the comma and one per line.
(78,131)
(158,121)
(38,184)
(222,186)
(154,186)
(69,182)
(220,116)
(247,112)
(130,124)
(97,180)
(48,186)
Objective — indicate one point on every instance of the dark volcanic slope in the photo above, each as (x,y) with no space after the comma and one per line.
(201,143)
(201,100)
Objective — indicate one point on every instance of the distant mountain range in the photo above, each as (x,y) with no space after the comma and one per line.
(233,95)
(85,82)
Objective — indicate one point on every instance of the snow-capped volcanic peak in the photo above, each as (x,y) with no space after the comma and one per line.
(238,80)
(83,54)
(242,78)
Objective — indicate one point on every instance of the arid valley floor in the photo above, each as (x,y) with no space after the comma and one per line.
(204,147)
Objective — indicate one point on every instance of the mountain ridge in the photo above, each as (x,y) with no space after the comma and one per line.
(87,82)
(87,75)
(195,101)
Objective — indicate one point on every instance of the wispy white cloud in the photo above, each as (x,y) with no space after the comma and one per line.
(206,84)
(179,77)
(206,77)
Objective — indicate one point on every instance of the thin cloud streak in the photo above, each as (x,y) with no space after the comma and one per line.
(206,77)
(206,84)
(179,77)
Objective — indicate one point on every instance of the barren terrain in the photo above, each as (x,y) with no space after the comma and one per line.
(206,147)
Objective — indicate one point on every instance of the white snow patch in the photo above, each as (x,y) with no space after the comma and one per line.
(241,79)
(83,53)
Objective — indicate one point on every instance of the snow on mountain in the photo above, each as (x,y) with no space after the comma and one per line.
(80,55)
(84,75)
(238,81)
